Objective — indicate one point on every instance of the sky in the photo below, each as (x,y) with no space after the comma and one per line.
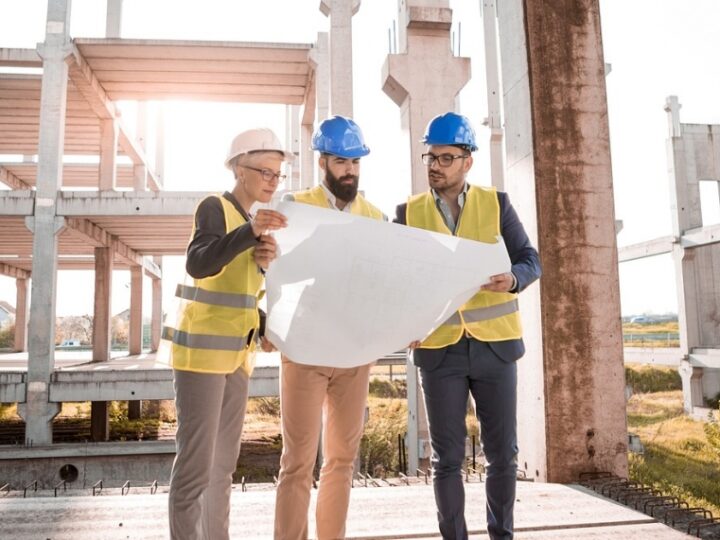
(656,48)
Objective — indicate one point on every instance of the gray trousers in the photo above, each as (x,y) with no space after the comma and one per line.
(210,413)
(471,366)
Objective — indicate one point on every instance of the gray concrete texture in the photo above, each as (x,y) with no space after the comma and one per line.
(542,511)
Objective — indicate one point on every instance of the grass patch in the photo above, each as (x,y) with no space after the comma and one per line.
(679,458)
(643,379)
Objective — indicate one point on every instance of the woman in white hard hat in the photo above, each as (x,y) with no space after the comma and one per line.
(213,343)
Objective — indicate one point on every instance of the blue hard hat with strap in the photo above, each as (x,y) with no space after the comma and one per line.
(450,129)
(341,137)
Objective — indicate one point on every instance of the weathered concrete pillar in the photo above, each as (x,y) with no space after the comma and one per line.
(424,45)
(113,18)
(341,78)
(21,314)
(37,411)
(108,154)
(99,427)
(136,315)
(157,310)
(558,104)
(693,155)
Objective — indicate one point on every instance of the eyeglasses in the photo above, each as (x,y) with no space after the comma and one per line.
(267,174)
(444,160)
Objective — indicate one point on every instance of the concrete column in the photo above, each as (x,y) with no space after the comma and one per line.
(108,154)
(21,315)
(322,77)
(692,385)
(160,142)
(157,315)
(307,158)
(564,114)
(37,411)
(494,92)
(99,427)
(292,143)
(139,169)
(341,79)
(136,301)
(424,48)
(113,19)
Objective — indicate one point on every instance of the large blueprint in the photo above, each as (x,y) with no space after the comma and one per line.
(347,290)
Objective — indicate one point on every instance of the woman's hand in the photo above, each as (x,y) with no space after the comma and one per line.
(266,345)
(267,220)
(265,252)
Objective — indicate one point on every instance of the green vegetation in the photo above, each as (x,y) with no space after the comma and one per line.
(7,337)
(680,457)
(664,334)
(645,379)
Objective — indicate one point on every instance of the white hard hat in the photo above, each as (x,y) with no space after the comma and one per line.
(255,140)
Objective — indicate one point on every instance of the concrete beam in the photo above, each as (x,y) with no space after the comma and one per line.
(701,237)
(17,203)
(12,181)
(13,387)
(658,356)
(13,272)
(657,246)
(128,203)
(12,57)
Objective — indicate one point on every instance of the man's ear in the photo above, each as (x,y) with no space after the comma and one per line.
(322,162)
(468,163)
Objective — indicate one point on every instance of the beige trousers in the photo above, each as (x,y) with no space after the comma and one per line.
(311,396)
(210,413)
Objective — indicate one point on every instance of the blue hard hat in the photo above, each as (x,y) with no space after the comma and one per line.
(451,129)
(341,137)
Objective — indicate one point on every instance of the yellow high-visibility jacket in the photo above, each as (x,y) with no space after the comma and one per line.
(317,197)
(218,316)
(487,316)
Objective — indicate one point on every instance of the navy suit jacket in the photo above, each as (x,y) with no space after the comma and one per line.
(525,266)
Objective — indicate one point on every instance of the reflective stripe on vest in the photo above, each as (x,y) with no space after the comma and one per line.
(196,294)
(487,316)
(205,341)
(317,197)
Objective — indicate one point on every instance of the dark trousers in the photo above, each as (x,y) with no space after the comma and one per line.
(471,367)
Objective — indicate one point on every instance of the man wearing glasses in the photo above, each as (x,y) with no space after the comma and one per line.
(315,397)
(474,351)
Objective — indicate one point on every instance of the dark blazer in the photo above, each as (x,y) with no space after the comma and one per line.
(525,266)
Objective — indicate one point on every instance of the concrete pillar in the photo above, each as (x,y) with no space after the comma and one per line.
(21,315)
(341,79)
(692,156)
(37,411)
(322,77)
(108,154)
(424,46)
(559,107)
(101,334)
(292,143)
(160,142)
(113,19)
(139,169)
(494,92)
(136,301)
(307,158)
(157,315)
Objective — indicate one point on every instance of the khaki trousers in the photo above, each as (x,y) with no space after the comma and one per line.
(311,396)
(210,413)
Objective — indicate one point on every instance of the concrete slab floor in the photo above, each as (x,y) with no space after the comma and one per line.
(543,511)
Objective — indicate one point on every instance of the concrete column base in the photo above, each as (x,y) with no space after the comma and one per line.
(38,414)
(692,384)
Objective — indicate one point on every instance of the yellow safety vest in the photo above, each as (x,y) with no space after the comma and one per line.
(487,316)
(218,315)
(317,197)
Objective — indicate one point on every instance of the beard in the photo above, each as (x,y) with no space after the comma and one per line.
(344,192)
